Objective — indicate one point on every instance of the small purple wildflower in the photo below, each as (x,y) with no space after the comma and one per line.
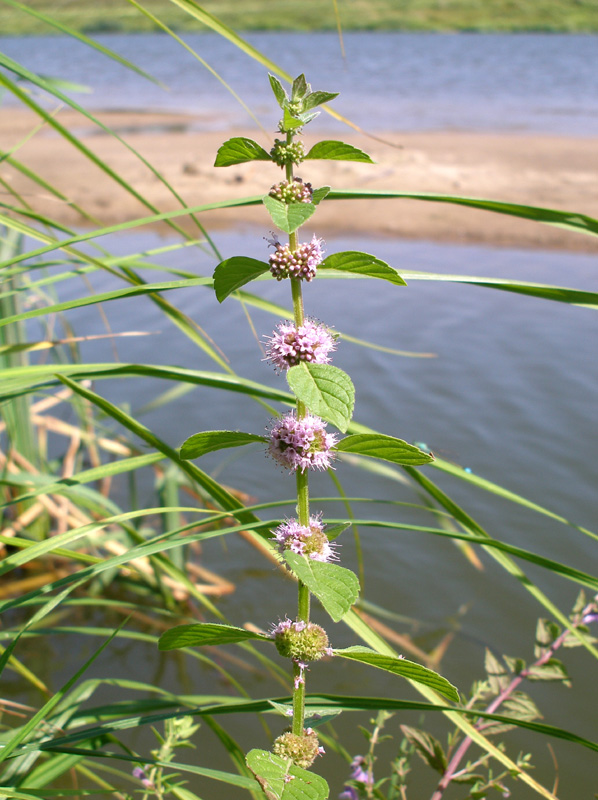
(298,444)
(358,773)
(300,263)
(141,776)
(311,342)
(309,541)
(349,793)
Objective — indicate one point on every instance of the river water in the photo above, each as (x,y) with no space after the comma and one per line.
(389,81)
(510,393)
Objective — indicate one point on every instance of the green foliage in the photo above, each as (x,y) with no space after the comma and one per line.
(337,151)
(209,441)
(387,448)
(326,391)
(402,667)
(94,554)
(240,150)
(337,588)
(311,15)
(232,273)
(362,264)
(281,780)
(203,634)
(288,216)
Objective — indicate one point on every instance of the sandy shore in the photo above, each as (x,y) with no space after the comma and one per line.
(551,171)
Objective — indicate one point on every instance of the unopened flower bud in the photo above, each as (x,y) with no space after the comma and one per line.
(301,641)
(284,153)
(302,750)
(294,191)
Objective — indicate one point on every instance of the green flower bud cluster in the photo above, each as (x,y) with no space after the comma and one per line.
(294,191)
(301,641)
(283,153)
(302,750)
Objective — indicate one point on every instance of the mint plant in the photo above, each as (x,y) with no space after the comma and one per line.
(299,441)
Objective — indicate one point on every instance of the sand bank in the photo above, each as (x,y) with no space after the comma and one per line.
(552,171)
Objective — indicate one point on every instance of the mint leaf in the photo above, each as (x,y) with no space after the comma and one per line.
(278,89)
(403,667)
(326,390)
(376,445)
(272,773)
(300,88)
(203,633)
(317,98)
(238,150)
(334,532)
(290,122)
(288,216)
(319,194)
(232,273)
(209,441)
(362,264)
(337,151)
(335,587)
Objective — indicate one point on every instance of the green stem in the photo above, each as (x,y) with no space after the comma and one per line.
(298,700)
(303,602)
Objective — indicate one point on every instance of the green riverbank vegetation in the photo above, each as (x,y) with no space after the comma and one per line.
(558,16)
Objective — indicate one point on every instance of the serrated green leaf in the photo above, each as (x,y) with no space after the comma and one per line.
(546,633)
(358,263)
(317,99)
(469,777)
(288,216)
(521,706)
(427,747)
(300,87)
(326,391)
(385,447)
(552,670)
(333,533)
(332,150)
(201,634)
(232,273)
(290,122)
(498,677)
(278,89)
(335,587)
(403,667)
(209,441)
(319,194)
(273,772)
(239,150)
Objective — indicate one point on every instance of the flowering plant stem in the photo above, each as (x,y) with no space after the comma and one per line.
(452,770)
(303,601)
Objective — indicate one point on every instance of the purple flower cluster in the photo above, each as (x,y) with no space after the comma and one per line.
(300,263)
(294,191)
(299,444)
(289,344)
(305,541)
(359,774)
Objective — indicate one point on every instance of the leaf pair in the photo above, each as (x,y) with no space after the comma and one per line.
(240,150)
(203,634)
